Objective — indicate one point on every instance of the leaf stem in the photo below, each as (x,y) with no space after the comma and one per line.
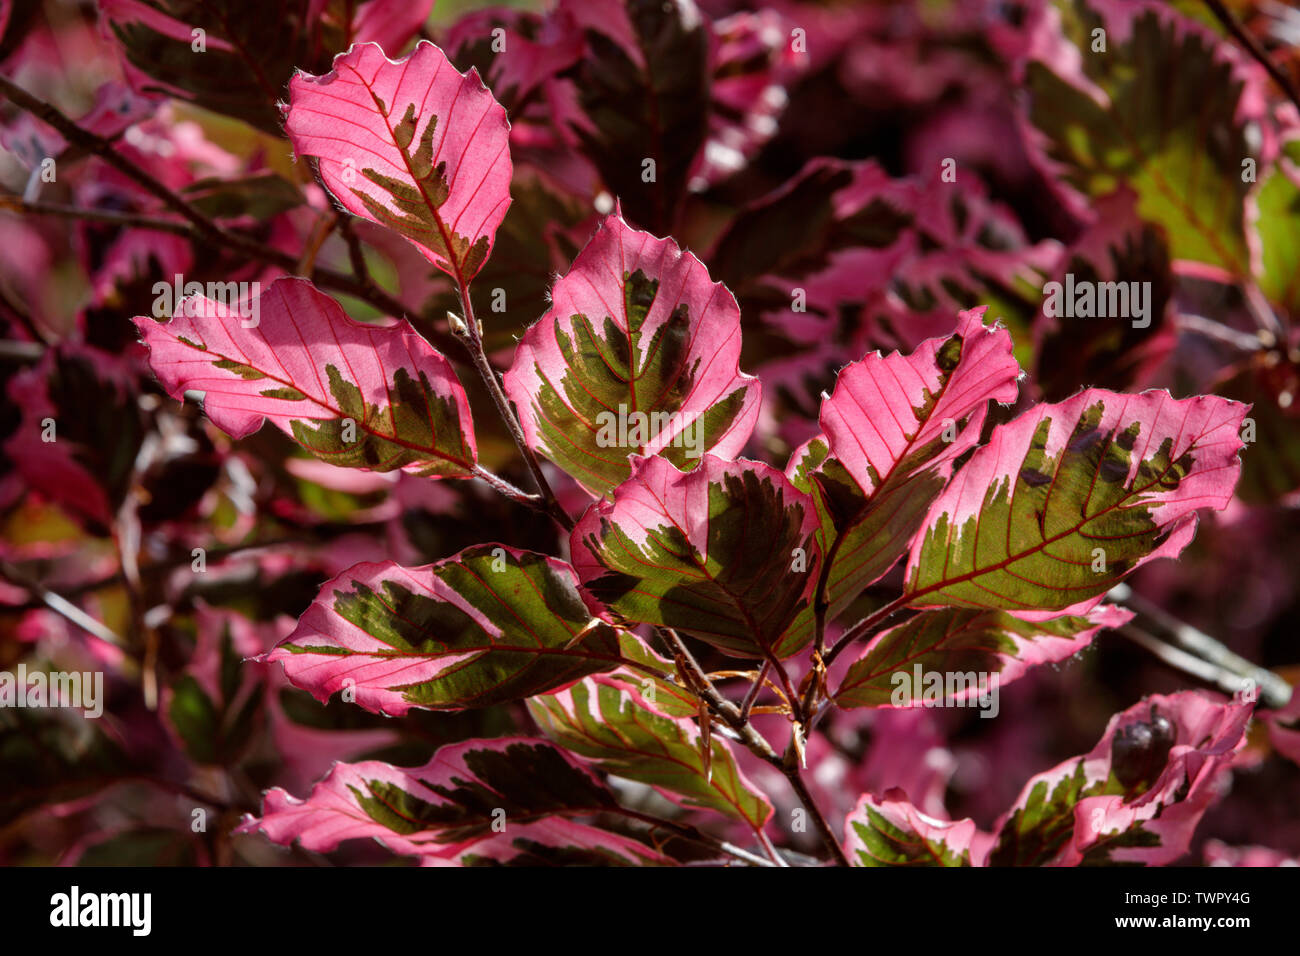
(865,626)
(768,848)
(98,146)
(747,704)
(750,737)
(700,837)
(1196,653)
(505,488)
(472,337)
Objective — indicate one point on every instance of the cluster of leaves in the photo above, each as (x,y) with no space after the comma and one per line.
(621,602)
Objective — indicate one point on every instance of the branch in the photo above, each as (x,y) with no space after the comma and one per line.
(98,146)
(199,225)
(1233,26)
(791,771)
(700,837)
(60,605)
(469,332)
(505,488)
(750,737)
(1196,653)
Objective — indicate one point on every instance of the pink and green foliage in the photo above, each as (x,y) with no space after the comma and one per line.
(793,453)
(413,145)
(398,393)
(1134,798)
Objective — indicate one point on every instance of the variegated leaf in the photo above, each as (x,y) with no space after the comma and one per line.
(611,722)
(637,356)
(1068,499)
(413,145)
(727,552)
(366,396)
(491,624)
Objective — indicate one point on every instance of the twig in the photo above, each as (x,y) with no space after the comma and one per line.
(324,277)
(98,146)
(1198,654)
(469,332)
(769,849)
(200,225)
(505,488)
(356,255)
(1200,325)
(751,738)
(865,626)
(696,836)
(699,683)
(60,605)
(748,703)
(1233,26)
(791,772)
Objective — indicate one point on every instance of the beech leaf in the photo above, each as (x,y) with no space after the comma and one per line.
(475,801)
(965,643)
(612,721)
(1183,160)
(892,832)
(413,145)
(726,552)
(1069,498)
(367,396)
(893,427)
(638,354)
(643,86)
(1136,797)
(489,625)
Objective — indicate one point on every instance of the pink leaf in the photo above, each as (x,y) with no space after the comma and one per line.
(628,724)
(887,408)
(895,424)
(413,145)
(361,395)
(556,841)
(1137,796)
(985,649)
(753,63)
(488,625)
(892,832)
(455,805)
(726,552)
(531,51)
(1069,498)
(389,23)
(638,355)
(79,432)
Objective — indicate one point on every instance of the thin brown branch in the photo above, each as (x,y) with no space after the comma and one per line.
(791,771)
(1233,26)
(200,226)
(694,836)
(471,335)
(98,146)
(60,605)
(865,626)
